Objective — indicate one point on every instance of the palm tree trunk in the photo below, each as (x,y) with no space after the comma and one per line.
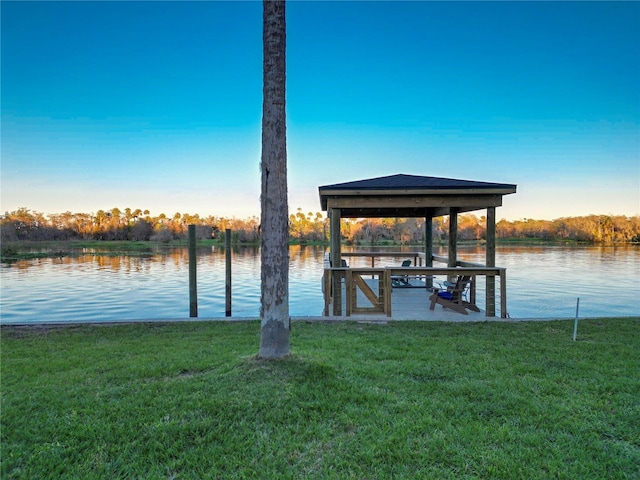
(275,327)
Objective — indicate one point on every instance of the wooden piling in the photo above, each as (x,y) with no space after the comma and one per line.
(227,279)
(336,261)
(193,290)
(490,261)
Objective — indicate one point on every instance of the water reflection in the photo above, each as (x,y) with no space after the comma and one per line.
(90,285)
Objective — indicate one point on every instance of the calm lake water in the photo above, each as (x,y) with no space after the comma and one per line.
(542,282)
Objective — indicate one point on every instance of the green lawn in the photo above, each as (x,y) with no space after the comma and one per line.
(404,400)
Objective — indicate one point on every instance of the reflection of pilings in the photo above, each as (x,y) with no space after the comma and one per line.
(193,290)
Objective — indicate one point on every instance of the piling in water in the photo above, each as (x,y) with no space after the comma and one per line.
(227,280)
(193,290)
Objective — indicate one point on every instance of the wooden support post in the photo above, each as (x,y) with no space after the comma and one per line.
(386,280)
(490,261)
(350,293)
(336,260)
(472,290)
(193,289)
(504,313)
(453,238)
(428,246)
(327,291)
(227,270)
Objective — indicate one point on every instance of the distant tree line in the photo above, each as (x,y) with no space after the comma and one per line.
(139,225)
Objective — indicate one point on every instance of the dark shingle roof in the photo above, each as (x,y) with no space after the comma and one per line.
(414,182)
(411,196)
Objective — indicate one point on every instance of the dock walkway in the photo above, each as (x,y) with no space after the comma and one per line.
(409,304)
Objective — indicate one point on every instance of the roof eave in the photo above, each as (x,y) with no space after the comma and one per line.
(502,190)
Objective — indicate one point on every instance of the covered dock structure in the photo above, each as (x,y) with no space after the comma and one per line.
(410,196)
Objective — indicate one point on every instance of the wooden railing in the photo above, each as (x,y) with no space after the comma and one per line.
(380,301)
(417,256)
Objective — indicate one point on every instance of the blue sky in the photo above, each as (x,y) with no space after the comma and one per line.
(158,105)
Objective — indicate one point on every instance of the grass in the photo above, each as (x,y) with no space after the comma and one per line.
(26,250)
(405,400)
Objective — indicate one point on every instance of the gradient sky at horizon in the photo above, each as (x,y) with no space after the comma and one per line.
(157,105)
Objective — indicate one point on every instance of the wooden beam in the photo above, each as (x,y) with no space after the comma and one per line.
(366,289)
(479,270)
(400,212)
(409,202)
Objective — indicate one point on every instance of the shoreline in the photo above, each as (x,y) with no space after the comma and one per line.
(14,251)
(379,320)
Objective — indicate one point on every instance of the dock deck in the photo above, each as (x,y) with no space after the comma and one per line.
(410,304)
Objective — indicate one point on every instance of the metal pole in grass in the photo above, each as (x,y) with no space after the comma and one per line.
(193,290)
(575,323)
(227,280)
